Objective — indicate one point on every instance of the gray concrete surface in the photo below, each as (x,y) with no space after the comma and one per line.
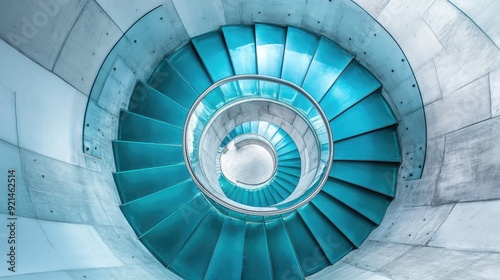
(451,45)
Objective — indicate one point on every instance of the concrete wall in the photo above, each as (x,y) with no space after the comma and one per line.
(439,227)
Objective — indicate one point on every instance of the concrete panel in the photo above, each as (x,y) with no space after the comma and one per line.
(38,28)
(126,12)
(470,226)
(49,111)
(8,119)
(44,246)
(123,272)
(50,181)
(495,93)
(425,263)
(373,7)
(398,13)
(421,192)
(419,43)
(428,82)
(471,166)
(412,225)
(274,12)
(89,42)
(464,107)
(200,16)
(372,255)
(344,271)
(11,161)
(58,275)
(484,13)
(470,54)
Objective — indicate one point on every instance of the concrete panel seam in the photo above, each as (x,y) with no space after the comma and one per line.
(67,36)
(479,27)
(442,222)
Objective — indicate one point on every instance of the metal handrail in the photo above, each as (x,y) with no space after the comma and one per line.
(267,79)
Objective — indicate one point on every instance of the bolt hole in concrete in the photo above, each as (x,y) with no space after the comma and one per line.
(248,163)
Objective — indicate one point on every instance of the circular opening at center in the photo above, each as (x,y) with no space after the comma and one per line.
(248,163)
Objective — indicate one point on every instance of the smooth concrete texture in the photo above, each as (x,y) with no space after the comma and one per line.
(439,227)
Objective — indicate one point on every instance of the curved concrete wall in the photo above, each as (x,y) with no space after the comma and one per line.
(70,226)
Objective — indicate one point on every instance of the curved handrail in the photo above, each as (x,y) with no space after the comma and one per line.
(266,79)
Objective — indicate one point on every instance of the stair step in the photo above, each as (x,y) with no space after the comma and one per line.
(240,41)
(299,51)
(309,253)
(153,104)
(148,211)
(376,176)
(256,260)
(134,184)
(352,86)
(369,204)
(198,249)
(369,114)
(137,155)
(227,259)
(381,145)
(137,128)
(168,81)
(332,241)
(284,261)
(167,238)
(354,226)
(188,64)
(328,63)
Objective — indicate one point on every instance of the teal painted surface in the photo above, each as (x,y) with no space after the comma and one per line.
(135,184)
(152,104)
(137,128)
(380,145)
(168,81)
(369,114)
(352,86)
(133,155)
(187,63)
(197,239)
(328,63)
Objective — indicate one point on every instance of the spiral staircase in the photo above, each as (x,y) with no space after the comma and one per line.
(190,232)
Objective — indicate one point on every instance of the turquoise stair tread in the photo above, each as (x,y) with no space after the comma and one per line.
(256,260)
(148,211)
(198,249)
(135,184)
(354,226)
(187,63)
(283,259)
(375,176)
(369,114)
(153,104)
(168,81)
(310,256)
(138,128)
(213,53)
(299,51)
(136,155)
(328,63)
(369,204)
(380,145)
(282,190)
(332,241)
(352,86)
(270,47)
(295,162)
(240,41)
(227,259)
(167,238)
